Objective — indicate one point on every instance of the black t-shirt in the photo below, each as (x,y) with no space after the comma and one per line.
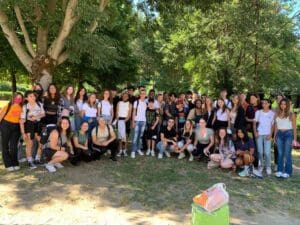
(169,134)
(186,136)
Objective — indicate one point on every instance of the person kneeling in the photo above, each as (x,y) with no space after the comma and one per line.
(225,157)
(59,145)
(186,140)
(104,138)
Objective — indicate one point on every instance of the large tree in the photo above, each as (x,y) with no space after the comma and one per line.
(43,33)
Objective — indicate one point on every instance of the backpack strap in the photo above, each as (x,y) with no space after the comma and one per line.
(137,105)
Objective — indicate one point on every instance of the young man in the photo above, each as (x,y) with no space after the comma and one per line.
(138,123)
(168,137)
(223,95)
(263,133)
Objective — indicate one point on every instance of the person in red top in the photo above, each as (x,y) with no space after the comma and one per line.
(10,131)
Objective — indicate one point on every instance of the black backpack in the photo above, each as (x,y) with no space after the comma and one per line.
(46,133)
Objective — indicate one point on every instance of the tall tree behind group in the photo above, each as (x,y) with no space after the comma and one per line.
(46,33)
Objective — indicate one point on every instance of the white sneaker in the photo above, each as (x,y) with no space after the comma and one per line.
(132,155)
(278,174)
(140,152)
(120,153)
(50,168)
(181,155)
(58,165)
(16,168)
(191,158)
(269,171)
(160,156)
(22,160)
(10,169)
(125,152)
(148,152)
(285,175)
(257,173)
(167,154)
(153,153)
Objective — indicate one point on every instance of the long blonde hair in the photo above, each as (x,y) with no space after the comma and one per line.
(191,127)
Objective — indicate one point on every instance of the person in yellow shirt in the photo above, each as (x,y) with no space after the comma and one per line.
(10,131)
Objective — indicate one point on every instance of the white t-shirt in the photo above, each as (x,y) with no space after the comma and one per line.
(222,116)
(265,120)
(141,110)
(30,111)
(105,108)
(79,104)
(123,109)
(89,111)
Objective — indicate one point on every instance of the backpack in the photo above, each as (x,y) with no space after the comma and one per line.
(46,133)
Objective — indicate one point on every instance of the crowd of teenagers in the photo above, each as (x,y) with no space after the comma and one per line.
(236,133)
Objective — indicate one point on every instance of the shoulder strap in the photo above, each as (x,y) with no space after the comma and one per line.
(7,110)
(137,105)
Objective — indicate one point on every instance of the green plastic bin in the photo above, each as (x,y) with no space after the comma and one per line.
(202,217)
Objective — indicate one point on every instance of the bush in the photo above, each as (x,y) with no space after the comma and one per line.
(6,87)
(5,95)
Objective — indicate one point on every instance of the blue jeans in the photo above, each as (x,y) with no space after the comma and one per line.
(138,134)
(284,140)
(161,147)
(264,150)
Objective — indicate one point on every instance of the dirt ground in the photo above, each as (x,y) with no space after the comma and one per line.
(72,197)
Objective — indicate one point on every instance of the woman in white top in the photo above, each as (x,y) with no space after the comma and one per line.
(89,112)
(80,99)
(123,114)
(105,107)
(222,117)
(285,135)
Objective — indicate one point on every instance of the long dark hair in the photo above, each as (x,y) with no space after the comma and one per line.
(85,97)
(246,137)
(56,96)
(59,128)
(89,101)
(227,138)
(224,106)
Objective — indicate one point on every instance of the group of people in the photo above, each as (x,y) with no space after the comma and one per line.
(227,133)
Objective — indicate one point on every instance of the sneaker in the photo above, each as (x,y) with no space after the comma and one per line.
(285,175)
(148,152)
(16,168)
(32,165)
(132,155)
(181,156)
(58,165)
(160,156)
(50,168)
(10,169)
(125,152)
(120,153)
(244,173)
(257,173)
(278,174)
(140,152)
(167,154)
(153,153)
(22,160)
(191,158)
(269,171)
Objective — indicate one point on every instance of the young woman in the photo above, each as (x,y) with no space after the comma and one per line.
(10,131)
(30,125)
(105,107)
(51,105)
(285,135)
(80,98)
(197,113)
(89,112)
(152,119)
(210,112)
(123,114)
(222,116)
(80,140)
(251,110)
(68,104)
(39,91)
(263,135)
(244,151)
(186,140)
(59,146)
(226,156)
(204,140)
(104,138)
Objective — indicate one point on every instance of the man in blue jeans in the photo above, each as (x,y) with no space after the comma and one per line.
(138,123)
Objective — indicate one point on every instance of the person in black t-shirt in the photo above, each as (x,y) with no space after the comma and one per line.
(168,138)
(186,139)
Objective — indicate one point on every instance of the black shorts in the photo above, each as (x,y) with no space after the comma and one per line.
(151,134)
(49,153)
(32,128)
(220,124)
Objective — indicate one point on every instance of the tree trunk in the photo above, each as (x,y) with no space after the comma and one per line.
(13,81)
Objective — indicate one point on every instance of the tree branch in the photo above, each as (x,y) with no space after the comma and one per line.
(101,7)
(15,43)
(24,31)
(66,27)
(62,58)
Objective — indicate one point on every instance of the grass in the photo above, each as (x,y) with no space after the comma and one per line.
(167,185)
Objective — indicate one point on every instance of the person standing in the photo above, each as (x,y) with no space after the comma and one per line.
(10,130)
